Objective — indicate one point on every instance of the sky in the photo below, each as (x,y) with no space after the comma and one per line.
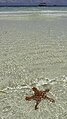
(33,2)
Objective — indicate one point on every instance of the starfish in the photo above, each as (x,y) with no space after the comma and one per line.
(38,95)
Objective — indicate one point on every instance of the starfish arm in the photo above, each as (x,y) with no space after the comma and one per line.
(36,91)
(29,98)
(50,99)
(37,102)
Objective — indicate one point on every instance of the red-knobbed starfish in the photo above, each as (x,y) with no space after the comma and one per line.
(38,95)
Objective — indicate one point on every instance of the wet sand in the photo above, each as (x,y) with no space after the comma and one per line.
(33,52)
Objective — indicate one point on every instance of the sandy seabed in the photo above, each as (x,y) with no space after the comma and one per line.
(33,52)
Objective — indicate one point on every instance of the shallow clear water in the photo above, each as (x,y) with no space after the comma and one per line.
(33,52)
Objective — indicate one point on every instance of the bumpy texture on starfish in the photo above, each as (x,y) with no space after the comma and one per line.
(38,95)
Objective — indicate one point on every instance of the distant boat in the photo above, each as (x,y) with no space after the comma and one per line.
(42,4)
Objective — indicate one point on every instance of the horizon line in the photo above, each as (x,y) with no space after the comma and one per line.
(33,5)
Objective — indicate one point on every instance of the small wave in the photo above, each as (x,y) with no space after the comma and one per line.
(46,82)
(56,12)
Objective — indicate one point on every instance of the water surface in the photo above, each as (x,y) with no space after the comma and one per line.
(33,52)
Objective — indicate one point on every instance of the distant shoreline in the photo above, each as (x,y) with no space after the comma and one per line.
(33,5)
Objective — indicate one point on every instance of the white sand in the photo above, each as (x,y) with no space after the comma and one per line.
(33,52)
